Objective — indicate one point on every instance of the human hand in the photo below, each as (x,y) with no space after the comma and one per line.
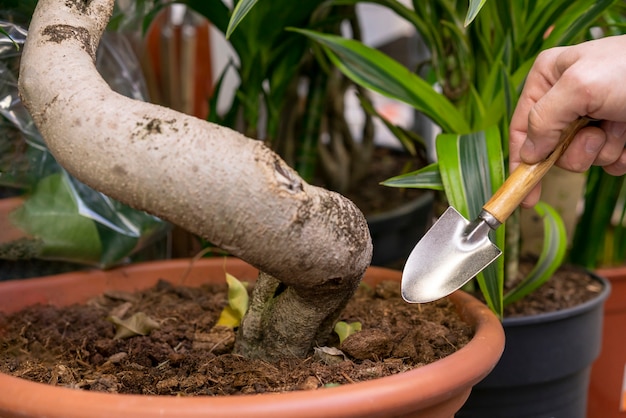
(565,83)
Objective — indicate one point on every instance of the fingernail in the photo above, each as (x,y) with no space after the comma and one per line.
(593,145)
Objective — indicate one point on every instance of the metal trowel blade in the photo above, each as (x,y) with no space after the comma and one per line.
(450,254)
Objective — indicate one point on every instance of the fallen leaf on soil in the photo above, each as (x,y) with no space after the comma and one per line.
(330,355)
(138,324)
(232,314)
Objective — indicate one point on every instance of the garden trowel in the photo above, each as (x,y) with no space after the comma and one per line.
(455,250)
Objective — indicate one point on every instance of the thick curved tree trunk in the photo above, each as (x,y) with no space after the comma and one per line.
(216,183)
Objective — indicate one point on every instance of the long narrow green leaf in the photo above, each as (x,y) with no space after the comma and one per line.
(572,29)
(374,70)
(466,169)
(551,257)
(428,29)
(5,33)
(472,11)
(589,244)
(619,240)
(425,178)
(242,8)
(491,85)
(471,169)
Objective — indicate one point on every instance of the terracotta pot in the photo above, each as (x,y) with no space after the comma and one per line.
(607,391)
(435,390)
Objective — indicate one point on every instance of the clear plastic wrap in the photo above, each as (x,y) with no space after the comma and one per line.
(61,218)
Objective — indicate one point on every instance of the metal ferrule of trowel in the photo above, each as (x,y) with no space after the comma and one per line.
(479,228)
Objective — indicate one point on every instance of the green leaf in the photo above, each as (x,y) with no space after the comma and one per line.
(138,324)
(213,115)
(344,330)
(374,70)
(51,214)
(232,314)
(464,165)
(424,178)
(551,257)
(591,245)
(573,25)
(5,33)
(472,169)
(242,8)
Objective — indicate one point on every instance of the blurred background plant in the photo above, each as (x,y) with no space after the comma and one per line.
(58,218)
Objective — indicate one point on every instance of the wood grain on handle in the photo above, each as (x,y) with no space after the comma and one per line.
(525,177)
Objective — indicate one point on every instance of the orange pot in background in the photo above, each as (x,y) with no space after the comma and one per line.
(9,231)
(435,390)
(607,388)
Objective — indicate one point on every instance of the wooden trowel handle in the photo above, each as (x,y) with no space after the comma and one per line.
(525,177)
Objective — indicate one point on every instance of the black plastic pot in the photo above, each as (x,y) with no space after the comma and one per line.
(544,370)
(395,233)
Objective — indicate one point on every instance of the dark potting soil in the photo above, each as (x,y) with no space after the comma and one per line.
(569,286)
(75,346)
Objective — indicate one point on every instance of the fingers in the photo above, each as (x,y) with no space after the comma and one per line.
(618,168)
(613,155)
(540,115)
(615,140)
(538,83)
(564,84)
(602,146)
(584,149)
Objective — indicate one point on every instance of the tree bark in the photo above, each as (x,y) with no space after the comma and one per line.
(229,189)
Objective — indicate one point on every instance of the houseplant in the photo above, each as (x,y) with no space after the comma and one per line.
(397,395)
(247,200)
(479,70)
